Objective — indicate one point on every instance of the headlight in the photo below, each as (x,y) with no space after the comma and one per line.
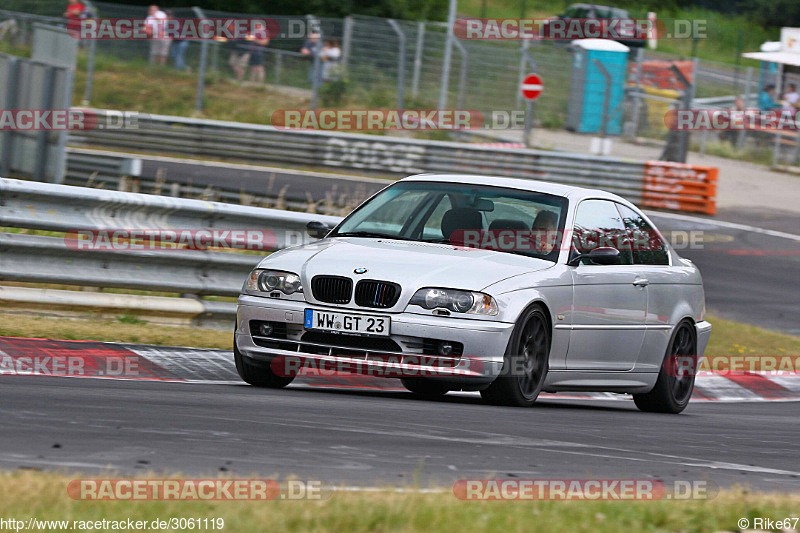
(272,280)
(459,301)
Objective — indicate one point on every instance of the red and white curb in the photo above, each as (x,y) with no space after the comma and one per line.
(105,360)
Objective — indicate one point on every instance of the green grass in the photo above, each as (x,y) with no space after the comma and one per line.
(26,494)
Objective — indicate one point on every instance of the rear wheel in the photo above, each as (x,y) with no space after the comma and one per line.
(675,382)
(258,376)
(425,388)
(526,363)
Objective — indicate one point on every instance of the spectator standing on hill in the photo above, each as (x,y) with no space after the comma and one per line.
(178,48)
(154,28)
(766,100)
(258,41)
(791,100)
(75,10)
(331,54)
(311,49)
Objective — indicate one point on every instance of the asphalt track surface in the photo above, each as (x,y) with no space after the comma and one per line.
(369,438)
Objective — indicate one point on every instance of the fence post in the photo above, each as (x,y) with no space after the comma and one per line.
(201,69)
(278,67)
(347,39)
(448,53)
(401,63)
(522,64)
(606,96)
(87,89)
(316,65)
(7,136)
(418,59)
(637,96)
(41,137)
(748,84)
(462,76)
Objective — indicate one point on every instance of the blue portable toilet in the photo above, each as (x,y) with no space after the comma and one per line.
(588,85)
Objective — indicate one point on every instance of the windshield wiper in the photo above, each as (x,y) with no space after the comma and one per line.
(368,234)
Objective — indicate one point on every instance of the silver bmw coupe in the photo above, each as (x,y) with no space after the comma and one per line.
(505,286)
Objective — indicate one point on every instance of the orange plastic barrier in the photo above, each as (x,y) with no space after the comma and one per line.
(680,186)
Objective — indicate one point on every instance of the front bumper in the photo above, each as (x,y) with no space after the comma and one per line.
(484,344)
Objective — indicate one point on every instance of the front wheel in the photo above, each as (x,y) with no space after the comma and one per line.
(525,364)
(675,383)
(258,376)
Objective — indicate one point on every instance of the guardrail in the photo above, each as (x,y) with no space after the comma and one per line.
(60,260)
(389,155)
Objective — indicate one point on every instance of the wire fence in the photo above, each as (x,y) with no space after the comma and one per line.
(389,64)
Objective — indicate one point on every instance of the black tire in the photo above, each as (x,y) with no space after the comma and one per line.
(258,376)
(672,393)
(526,362)
(425,388)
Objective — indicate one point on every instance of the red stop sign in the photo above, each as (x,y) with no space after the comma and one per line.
(531,86)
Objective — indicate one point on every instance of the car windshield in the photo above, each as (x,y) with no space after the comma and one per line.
(506,220)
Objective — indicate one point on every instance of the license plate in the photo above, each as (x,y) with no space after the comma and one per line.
(346,322)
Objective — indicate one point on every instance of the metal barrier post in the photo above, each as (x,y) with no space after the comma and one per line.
(401,63)
(201,69)
(418,59)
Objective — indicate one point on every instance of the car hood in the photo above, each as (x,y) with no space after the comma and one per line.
(411,264)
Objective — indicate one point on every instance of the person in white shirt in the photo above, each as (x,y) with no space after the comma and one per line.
(159,43)
(330,55)
(791,99)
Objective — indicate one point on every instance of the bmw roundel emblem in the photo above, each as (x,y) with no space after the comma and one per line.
(360,270)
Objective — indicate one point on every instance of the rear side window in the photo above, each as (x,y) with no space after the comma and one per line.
(599,224)
(648,246)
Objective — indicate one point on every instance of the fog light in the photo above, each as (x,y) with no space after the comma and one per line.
(445,348)
(265,329)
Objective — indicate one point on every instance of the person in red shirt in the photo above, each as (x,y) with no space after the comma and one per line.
(75,10)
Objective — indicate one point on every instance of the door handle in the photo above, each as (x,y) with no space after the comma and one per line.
(641,283)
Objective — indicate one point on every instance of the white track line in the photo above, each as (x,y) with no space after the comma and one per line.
(724,224)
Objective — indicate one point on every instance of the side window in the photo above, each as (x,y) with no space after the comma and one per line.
(648,247)
(598,224)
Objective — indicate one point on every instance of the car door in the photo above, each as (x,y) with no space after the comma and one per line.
(651,257)
(609,301)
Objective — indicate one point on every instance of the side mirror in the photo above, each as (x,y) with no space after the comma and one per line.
(602,256)
(317,229)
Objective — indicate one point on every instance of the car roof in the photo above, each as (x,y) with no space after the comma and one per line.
(556,189)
